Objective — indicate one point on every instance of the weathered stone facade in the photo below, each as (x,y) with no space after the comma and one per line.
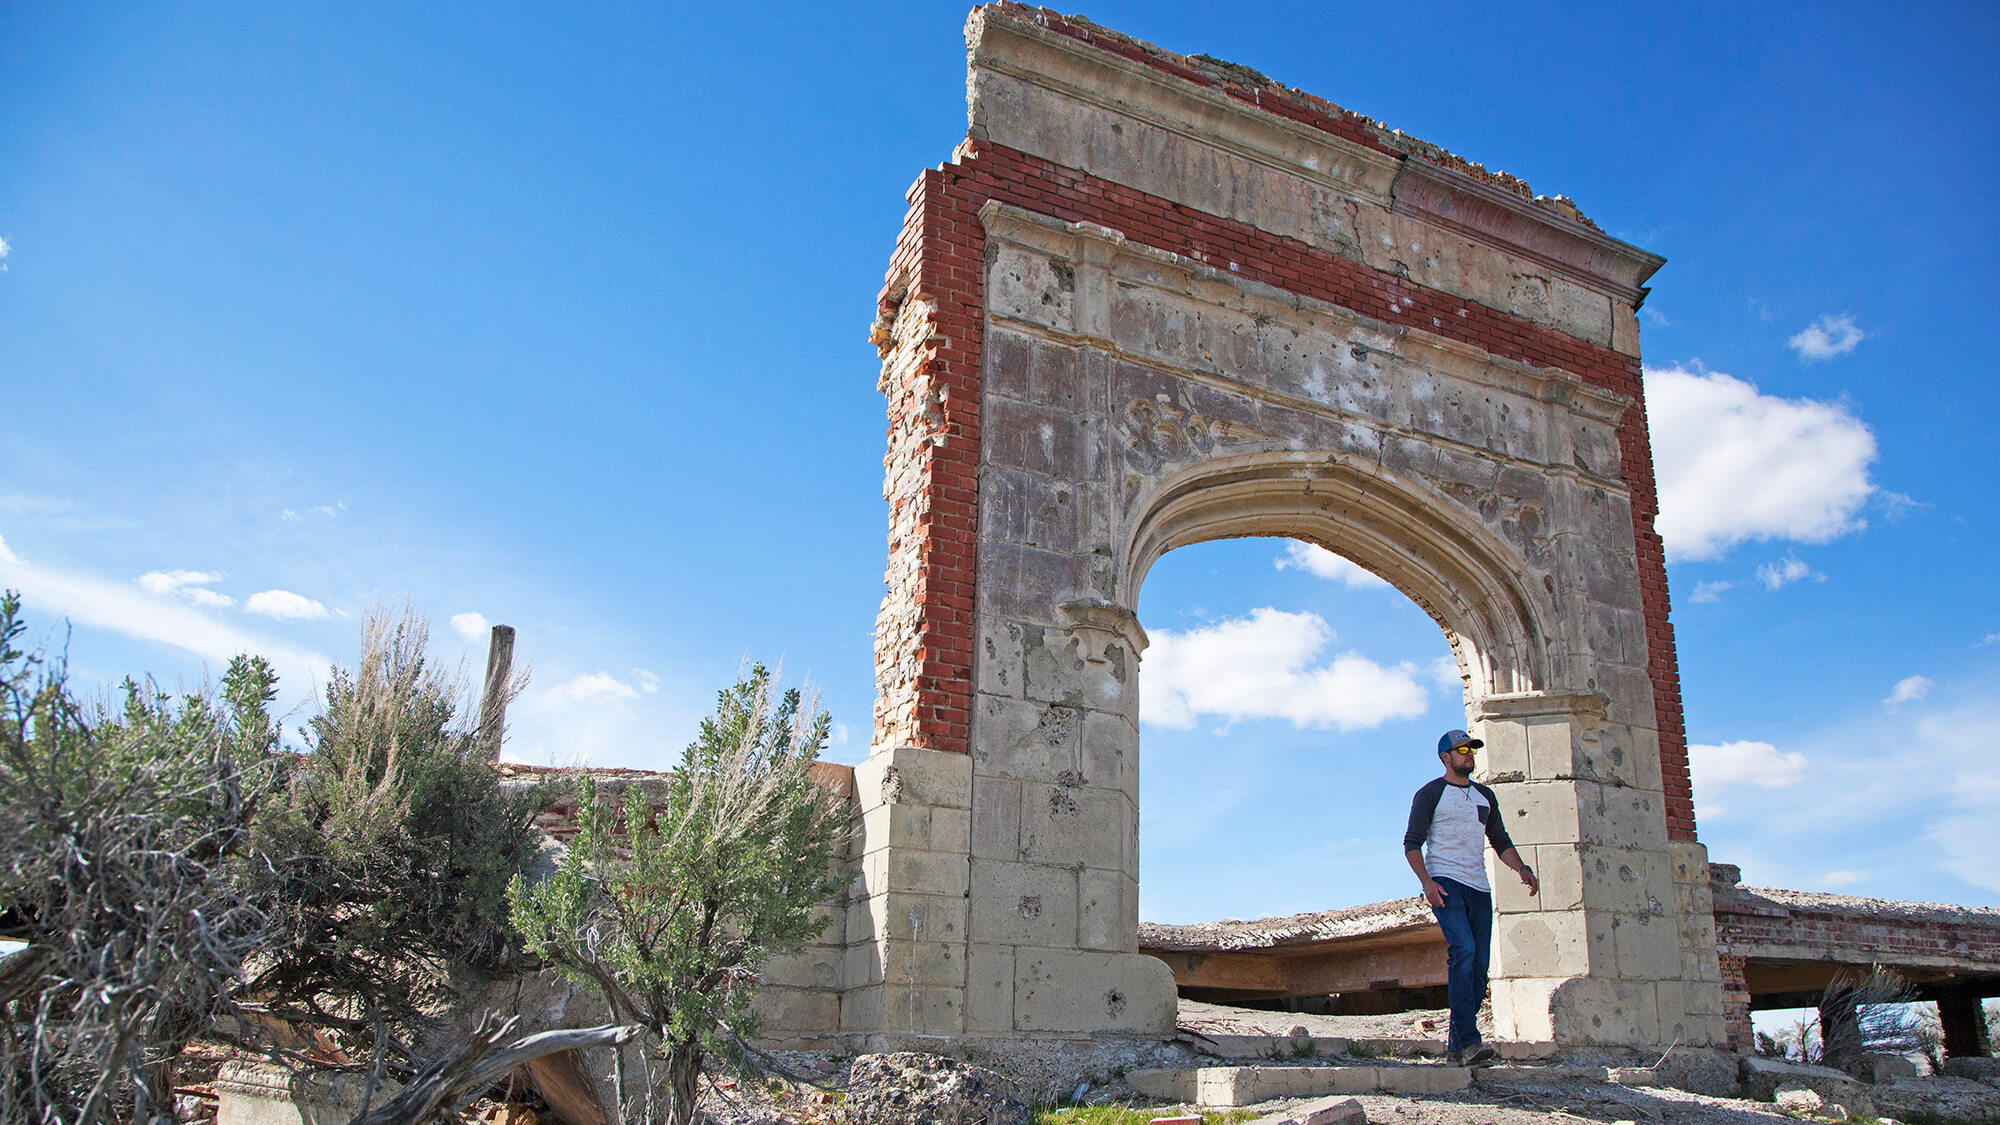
(1156,300)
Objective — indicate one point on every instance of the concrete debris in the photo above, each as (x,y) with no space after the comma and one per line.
(912,1088)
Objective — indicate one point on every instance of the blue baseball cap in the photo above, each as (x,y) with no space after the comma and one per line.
(1453,739)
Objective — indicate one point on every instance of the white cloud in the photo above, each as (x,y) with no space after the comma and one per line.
(190,585)
(1786,571)
(1261,666)
(1745,763)
(285,606)
(590,687)
(1710,591)
(171,581)
(1842,878)
(290,516)
(1445,673)
(646,681)
(472,626)
(1829,337)
(1990,638)
(5,250)
(837,734)
(1322,563)
(1909,689)
(130,611)
(1734,464)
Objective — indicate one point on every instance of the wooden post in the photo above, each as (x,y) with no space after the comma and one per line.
(493,700)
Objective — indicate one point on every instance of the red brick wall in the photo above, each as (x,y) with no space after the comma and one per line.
(940,260)
(1740,1032)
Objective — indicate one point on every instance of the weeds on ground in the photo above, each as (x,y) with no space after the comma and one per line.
(1127,1115)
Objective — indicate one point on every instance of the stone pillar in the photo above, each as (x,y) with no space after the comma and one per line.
(1054,912)
(1597,956)
(906,951)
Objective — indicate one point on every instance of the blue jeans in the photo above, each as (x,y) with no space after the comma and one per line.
(1467,921)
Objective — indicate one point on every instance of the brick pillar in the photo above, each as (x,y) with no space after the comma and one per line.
(1742,1034)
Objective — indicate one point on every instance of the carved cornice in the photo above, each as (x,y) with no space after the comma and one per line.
(1479,211)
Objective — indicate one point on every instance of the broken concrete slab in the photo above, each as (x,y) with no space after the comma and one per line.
(1266,1046)
(1225,1086)
(1323,1111)
(1762,1078)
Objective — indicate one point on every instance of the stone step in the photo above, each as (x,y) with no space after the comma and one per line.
(1265,1046)
(1225,1086)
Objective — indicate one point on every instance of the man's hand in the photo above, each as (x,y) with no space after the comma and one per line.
(1433,893)
(1527,875)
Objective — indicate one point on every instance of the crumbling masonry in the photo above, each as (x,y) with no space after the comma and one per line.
(1154,300)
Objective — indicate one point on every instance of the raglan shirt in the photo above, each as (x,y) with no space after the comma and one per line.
(1451,823)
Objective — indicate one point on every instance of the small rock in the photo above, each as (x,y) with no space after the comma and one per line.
(1797,1099)
(1834,1112)
(912,1088)
(1175,1121)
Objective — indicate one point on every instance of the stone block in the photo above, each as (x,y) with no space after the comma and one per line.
(1029,286)
(1068,990)
(1031,508)
(1541,812)
(1560,870)
(1058,445)
(1027,740)
(1550,751)
(787,1011)
(1620,817)
(918,826)
(1111,753)
(1600,1012)
(1024,904)
(815,966)
(1074,824)
(1506,749)
(1522,1008)
(1027,583)
(258,1093)
(1544,944)
(906,917)
(1648,946)
(923,1011)
(936,964)
(1423,1079)
(1102,911)
(996,819)
(1167,1084)
(1224,1086)
(915,776)
(905,870)
(989,989)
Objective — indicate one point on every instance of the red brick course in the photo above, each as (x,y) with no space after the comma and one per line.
(940,259)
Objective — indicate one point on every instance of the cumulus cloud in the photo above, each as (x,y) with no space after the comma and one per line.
(1263,666)
(646,681)
(285,606)
(1322,563)
(1758,764)
(590,687)
(1842,878)
(1445,673)
(1735,464)
(1829,337)
(1909,689)
(169,581)
(5,250)
(1710,591)
(472,626)
(1786,571)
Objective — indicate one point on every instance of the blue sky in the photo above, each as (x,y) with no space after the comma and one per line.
(559,320)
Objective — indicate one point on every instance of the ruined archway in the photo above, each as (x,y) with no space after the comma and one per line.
(1150,304)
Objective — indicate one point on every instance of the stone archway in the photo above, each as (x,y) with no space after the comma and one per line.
(1140,310)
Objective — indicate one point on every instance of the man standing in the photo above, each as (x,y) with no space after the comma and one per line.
(1450,821)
